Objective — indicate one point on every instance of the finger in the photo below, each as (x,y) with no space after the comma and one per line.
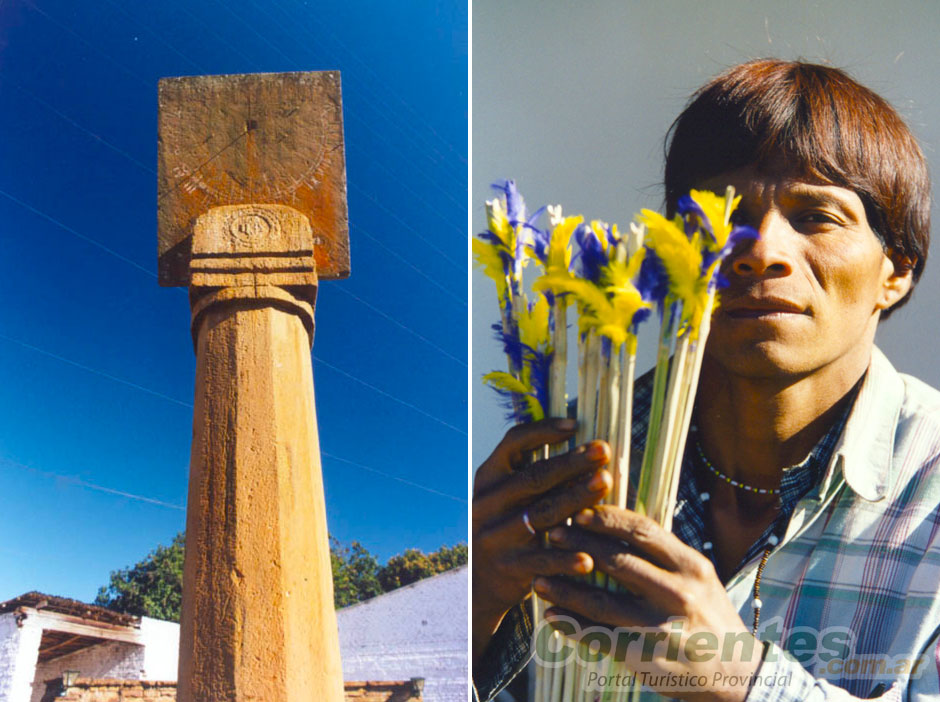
(519,440)
(521,486)
(641,532)
(559,505)
(593,603)
(549,561)
(659,587)
(550,510)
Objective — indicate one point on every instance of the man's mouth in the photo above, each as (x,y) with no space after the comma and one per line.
(762,308)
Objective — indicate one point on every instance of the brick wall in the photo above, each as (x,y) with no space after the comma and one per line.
(89,690)
(113,660)
(112,691)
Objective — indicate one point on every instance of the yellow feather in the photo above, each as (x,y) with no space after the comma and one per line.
(714,207)
(498,222)
(533,324)
(487,256)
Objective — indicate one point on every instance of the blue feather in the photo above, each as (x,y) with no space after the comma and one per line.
(515,205)
(591,256)
(653,281)
(540,367)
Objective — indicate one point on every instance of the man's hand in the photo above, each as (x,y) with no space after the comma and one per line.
(509,497)
(667,580)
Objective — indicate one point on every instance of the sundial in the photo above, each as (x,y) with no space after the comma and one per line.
(255,139)
(251,217)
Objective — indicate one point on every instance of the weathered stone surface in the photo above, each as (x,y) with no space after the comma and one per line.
(258,620)
(252,212)
(250,245)
(274,138)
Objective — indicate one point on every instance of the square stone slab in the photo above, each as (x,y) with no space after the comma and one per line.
(265,138)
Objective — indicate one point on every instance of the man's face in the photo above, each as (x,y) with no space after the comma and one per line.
(808,293)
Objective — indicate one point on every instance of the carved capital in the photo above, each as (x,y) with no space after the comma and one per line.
(246,245)
(253,256)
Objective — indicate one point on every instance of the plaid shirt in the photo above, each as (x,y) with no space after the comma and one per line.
(852,588)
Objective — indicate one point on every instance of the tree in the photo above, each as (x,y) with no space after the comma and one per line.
(354,573)
(414,565)
(152,588)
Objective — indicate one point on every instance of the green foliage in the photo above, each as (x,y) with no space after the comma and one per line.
(414,565)
(152,588)
(354,573)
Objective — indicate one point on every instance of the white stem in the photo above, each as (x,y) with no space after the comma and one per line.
(590,386)
(660,479)
(690,387)
(622,458)
(557,399)
(558,672)
(538,611)
(570,669)
(602,420)
(582,433)
(614,417)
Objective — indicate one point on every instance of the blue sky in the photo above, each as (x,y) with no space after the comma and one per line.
(96,360)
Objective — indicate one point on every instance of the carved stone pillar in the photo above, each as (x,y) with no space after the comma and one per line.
(258,621)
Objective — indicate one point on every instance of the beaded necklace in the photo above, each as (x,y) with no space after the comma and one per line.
(733,483)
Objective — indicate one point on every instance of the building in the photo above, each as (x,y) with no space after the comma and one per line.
(392,646)
(419,630)
(42,636)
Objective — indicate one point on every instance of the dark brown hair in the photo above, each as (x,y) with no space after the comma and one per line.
(828,126)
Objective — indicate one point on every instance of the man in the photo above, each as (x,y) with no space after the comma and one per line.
(809,506)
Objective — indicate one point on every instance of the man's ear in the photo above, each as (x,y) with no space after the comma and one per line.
(899,277)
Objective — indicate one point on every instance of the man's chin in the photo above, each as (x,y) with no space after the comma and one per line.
(762,360)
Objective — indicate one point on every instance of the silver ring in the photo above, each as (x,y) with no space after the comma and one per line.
(528,524)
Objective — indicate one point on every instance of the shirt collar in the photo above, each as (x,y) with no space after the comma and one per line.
(865,452)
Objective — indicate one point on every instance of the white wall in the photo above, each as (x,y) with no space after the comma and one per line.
(19,650)
(418,631)
(161,648)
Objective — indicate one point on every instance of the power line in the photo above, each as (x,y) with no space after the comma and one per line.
(394,477)
(72,480)
(407,226)
(294,63)
(399,324)
(95,371)
(88,44)
(366,70)
(190,406)
(390,396)
(393,252)
(69,229)
(90,133)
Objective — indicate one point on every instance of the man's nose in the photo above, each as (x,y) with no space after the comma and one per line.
(770,256)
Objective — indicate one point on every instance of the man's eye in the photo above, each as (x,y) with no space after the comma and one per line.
(818,217)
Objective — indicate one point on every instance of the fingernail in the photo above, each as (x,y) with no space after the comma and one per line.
(600,481)
(585,516)
(567,424)
(541,585)
(584,564)
(556,535)
(597,451)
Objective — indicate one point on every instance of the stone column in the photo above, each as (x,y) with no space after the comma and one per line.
(258,621)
